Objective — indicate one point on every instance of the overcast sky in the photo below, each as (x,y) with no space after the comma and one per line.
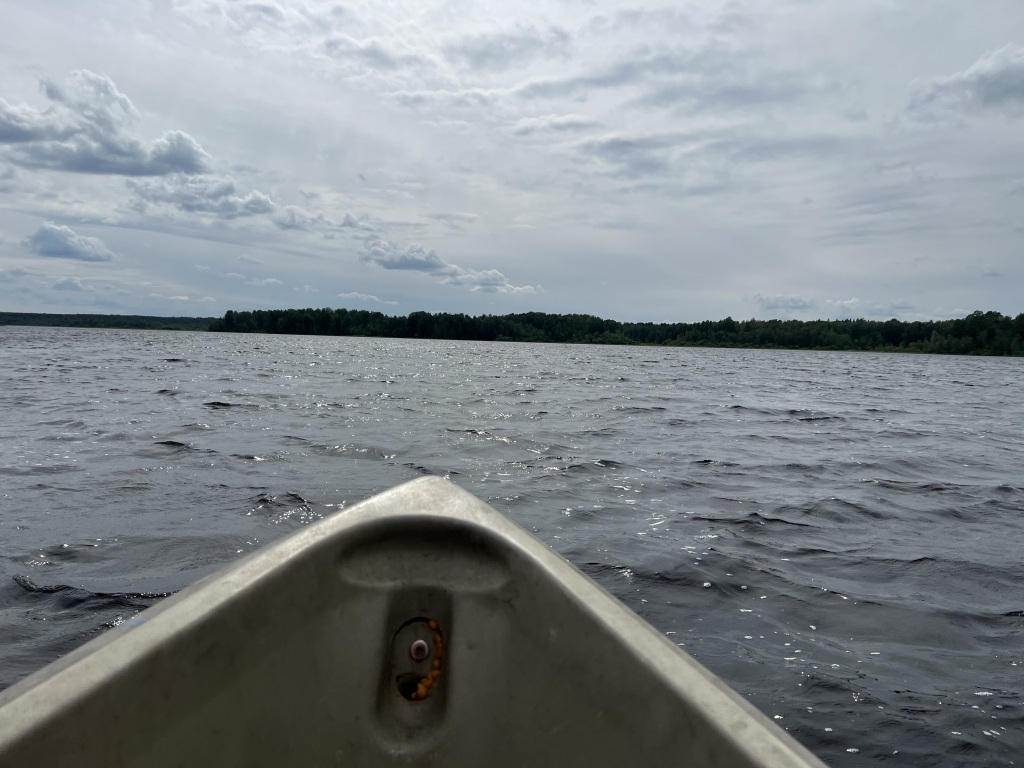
(681,162)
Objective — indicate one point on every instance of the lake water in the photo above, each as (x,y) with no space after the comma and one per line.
(840,536)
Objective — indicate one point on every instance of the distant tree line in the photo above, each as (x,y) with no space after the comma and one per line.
(980,333)
(108,321)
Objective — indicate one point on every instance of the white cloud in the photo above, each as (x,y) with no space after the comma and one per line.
(60,242)
(68,284)
(416,258)
(993,82)
(86,129)
(364,297)
(294,217)
(352,222)
(856,308)
(214,195)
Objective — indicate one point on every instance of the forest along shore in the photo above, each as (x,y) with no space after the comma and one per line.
(980,333)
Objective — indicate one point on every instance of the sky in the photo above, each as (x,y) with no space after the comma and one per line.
(665,162)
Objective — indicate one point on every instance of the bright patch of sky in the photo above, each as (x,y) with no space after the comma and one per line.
(637,161)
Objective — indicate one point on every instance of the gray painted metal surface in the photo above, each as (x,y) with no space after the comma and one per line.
(417,628)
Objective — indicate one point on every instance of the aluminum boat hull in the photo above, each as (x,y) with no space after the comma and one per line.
(417,628)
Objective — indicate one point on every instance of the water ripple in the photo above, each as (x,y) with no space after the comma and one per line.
(835,534)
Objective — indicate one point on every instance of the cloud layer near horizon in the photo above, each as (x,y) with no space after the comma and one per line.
(679,161)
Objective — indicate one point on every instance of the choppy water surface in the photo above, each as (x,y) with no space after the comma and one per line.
(838,535)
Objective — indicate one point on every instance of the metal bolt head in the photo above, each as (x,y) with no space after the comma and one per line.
(419,650)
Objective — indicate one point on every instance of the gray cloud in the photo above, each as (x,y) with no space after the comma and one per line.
(60,242)
(626,72)
(702,153)
(721,91)
(993,82)
(368,52)
(365,297)
(635,156)
(471,99)
(260,12)
(758,149)
(503,50)
(641,19)
(788,306)
(670,74)
(215,195)
(416,258)
(553,124)
(707,162)
(453,220)
(220,196)
(174,152)
(710,75)
(294,217)
(351,221)
(785,303)
(68,284)
(14,273)
(86,129)
(868,212)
